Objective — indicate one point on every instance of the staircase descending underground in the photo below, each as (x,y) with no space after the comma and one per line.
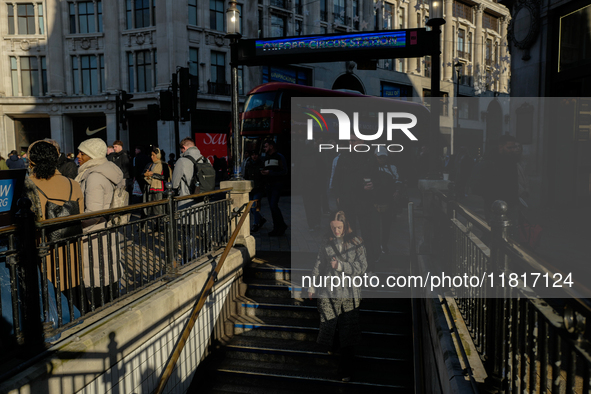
(274,349)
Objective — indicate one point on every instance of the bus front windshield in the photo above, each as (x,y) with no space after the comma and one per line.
(260,101)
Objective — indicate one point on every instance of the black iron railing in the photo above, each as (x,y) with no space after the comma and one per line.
(529,339)
(223,89)
(52,284)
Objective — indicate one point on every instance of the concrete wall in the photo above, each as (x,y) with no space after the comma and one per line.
(126,350)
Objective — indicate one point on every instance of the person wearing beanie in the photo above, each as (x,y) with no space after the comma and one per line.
(98,178)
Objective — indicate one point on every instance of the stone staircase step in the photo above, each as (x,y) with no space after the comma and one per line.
(306,377)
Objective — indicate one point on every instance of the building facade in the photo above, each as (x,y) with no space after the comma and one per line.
(62,63)
(550,42)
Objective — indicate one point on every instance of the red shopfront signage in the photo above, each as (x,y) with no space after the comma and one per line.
(212,144)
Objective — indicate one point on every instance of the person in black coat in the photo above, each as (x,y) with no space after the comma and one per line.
(140,162)
(65,166)
(14,162)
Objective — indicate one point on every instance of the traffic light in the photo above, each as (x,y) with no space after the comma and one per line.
(125,105)
(166,111)
(184,94)
(153,112)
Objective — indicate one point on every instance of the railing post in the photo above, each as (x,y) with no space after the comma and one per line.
(171,233)
(497,311)
(240,196)
(28,262)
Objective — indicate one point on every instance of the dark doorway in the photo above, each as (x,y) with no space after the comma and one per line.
(29,130)
(142,131)
(348,82)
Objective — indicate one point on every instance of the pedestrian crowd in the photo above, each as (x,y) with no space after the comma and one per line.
(100,177)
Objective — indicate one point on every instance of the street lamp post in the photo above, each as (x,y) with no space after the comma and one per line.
(435,22)
(233,33)
(458,67)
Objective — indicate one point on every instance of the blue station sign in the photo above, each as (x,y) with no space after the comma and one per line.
(334,47)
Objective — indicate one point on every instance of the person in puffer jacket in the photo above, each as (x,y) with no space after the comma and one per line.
(98,178)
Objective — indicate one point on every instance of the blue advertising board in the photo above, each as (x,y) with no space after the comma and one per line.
(11,185)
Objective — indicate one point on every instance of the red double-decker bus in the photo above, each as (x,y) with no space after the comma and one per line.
(267,113)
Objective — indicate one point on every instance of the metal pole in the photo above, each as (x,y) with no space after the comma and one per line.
(435,24)
(175,112)
(499,224)
(236,145)
(29,261)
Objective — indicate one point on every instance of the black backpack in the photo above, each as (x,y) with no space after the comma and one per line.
(203,179)
(59,211)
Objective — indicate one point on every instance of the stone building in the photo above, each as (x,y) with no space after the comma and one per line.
(62,63)
(549,42)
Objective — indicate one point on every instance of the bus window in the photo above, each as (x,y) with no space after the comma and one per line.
(260,101)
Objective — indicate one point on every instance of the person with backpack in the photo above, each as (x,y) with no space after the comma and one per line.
(99,179)
(185,177)
(54,195)
(157,174)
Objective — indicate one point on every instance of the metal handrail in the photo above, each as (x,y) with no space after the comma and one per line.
(578,292)
(111,211)
(200,303)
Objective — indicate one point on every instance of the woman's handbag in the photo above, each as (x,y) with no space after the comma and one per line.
(53,210)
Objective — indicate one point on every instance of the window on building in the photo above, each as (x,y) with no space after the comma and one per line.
(299,9)
(489,53)
(10,19)
(461,10)
(388,15)
(460,47)
(140,13)
(216,15)
(88,74)
(240,17)
(323,30)
(33,75)
(468,48)
(299,27)
(339,11)
(279,3)
(194,61)
(443,100)
(278,26)
(218,67)
(290,74)
(323,13)
(144,71)
(356,14)
(26,18)
(396,91)
(85,17)
(427,71)
(575,40)
(40,20)
(400,65)
(401,20)
(490,22)
(193,12)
